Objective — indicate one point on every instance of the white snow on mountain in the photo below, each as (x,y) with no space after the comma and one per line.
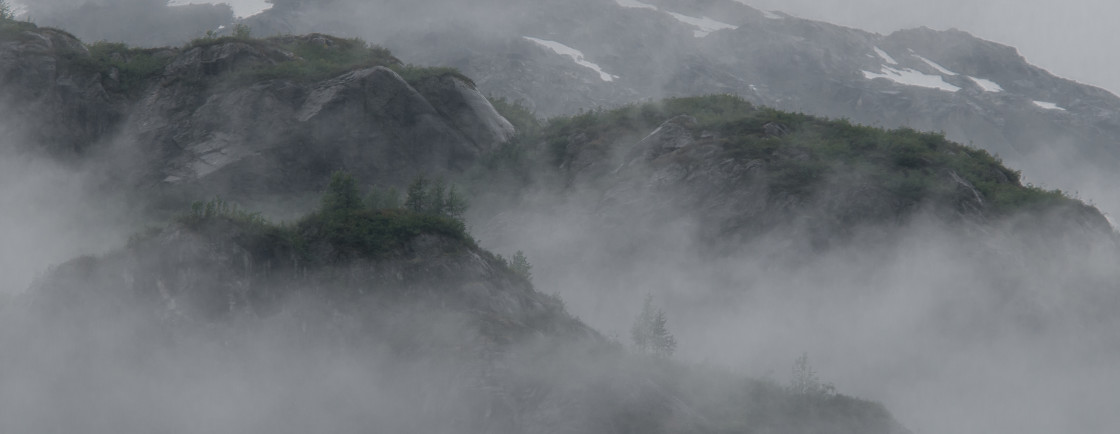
(987,85)
(574,54)
(886,57)
(1048,105)
(911,77)
(706,25)
(635,4)
(939,68)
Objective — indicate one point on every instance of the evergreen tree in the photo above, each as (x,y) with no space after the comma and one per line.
(434,197)
(342,194)
(520,265)
(417,197)
(804,380)
(650,333)
(455,205)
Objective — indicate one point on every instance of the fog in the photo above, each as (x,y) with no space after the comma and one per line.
(52,213)
(957,327)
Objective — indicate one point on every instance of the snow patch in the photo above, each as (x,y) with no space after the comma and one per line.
(911,77)
(886,57)
(1048,105)
(576,55)
(635,4)
(987,85)
(706,25)
(939,68)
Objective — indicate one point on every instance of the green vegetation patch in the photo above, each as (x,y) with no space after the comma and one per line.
(134,65)
(800,152)
(344,227)
(11,29)
(319,57)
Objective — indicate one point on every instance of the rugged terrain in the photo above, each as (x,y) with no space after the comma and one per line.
(564,56)
(353,319)
(925,273)
(239,116)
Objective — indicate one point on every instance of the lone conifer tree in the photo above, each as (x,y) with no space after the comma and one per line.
(650,334)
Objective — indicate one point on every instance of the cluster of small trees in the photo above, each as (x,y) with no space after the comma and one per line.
(650,333)
(424,196)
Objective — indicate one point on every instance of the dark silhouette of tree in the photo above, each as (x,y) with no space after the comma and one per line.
(804,379)
(417,199)
(342,194)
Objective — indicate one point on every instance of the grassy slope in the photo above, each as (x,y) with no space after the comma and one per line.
(904,161)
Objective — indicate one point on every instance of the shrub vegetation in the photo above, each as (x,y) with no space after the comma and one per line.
(345,225)
(799,151)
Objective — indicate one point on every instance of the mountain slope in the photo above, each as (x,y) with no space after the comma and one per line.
(241,116)
(921,272)
(1060,132)
(227,323)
